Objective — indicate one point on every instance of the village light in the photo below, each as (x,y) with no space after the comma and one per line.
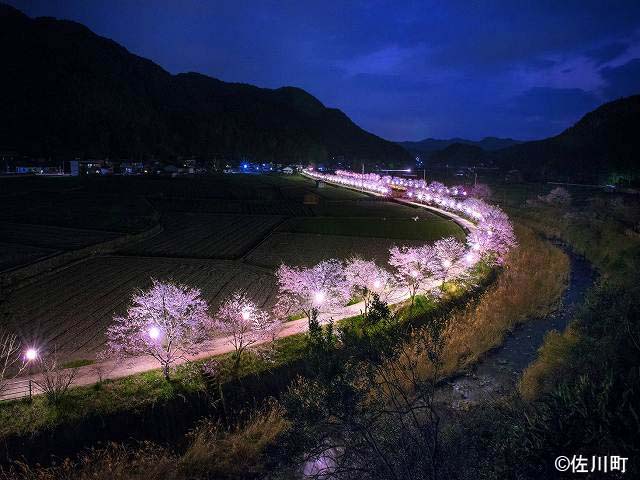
(246,313)
(154,333)
(377,284)
(31,354)
(446,263)
(469,258)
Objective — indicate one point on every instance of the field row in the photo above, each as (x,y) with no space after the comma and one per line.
(14,255)
(72,308)
(424,226)
(51,237)
(206,236)
(304,249)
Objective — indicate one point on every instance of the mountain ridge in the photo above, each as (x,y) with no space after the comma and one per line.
(429,145)
(72,93)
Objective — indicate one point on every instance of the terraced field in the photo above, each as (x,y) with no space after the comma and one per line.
(424,226)
(206,236)
(72,308)
(258,221)
(13,255)
(51,237)
(304,249)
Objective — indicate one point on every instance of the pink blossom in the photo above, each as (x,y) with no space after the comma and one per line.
(244,323)
(450,254)
(168,322)
(415,266)
(365,278)
(319,289)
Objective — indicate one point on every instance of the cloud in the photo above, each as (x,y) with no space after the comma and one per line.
(622,81)
(608,52)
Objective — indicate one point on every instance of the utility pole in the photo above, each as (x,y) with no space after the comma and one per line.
(424,174)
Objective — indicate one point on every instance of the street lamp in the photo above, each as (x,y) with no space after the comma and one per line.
(154,333)
(31,354)
(318,297)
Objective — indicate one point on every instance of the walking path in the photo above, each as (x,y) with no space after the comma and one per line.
(112,369)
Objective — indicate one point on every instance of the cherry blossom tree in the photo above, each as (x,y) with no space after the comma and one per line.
(365,278)
(450,254)
(168,321)
(415,266)
(437,187)
(240,319)
(319,289)
(494,236)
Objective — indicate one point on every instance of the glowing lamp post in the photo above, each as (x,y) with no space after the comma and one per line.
(246,313)
(154,333)
(318,297)
(377,284)
(31,354)
(469,258)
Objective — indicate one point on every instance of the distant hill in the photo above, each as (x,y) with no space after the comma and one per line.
(603,146)
(67,92)
(458,155)
(430,145)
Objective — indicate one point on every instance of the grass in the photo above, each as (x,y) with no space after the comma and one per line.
(530,286)
(78,363)
(135,392)
(428,228)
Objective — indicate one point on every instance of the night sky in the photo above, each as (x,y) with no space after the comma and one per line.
(402,70)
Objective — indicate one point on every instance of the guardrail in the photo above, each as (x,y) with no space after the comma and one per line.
(17,389)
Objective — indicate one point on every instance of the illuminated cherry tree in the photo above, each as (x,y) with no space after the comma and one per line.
(365,278)
(415,266)
(319,289)
(244,323)
(167,322)
(498,233)
(450,254)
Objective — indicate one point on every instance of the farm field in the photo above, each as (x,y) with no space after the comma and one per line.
(427,227)
(79,209)
(13,255)
(220,233)
(305,249)
(72,308)
(51,237)
(206,236)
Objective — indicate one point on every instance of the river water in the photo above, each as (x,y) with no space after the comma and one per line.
(500,369)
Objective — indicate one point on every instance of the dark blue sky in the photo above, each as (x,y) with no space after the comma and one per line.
(402,70)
